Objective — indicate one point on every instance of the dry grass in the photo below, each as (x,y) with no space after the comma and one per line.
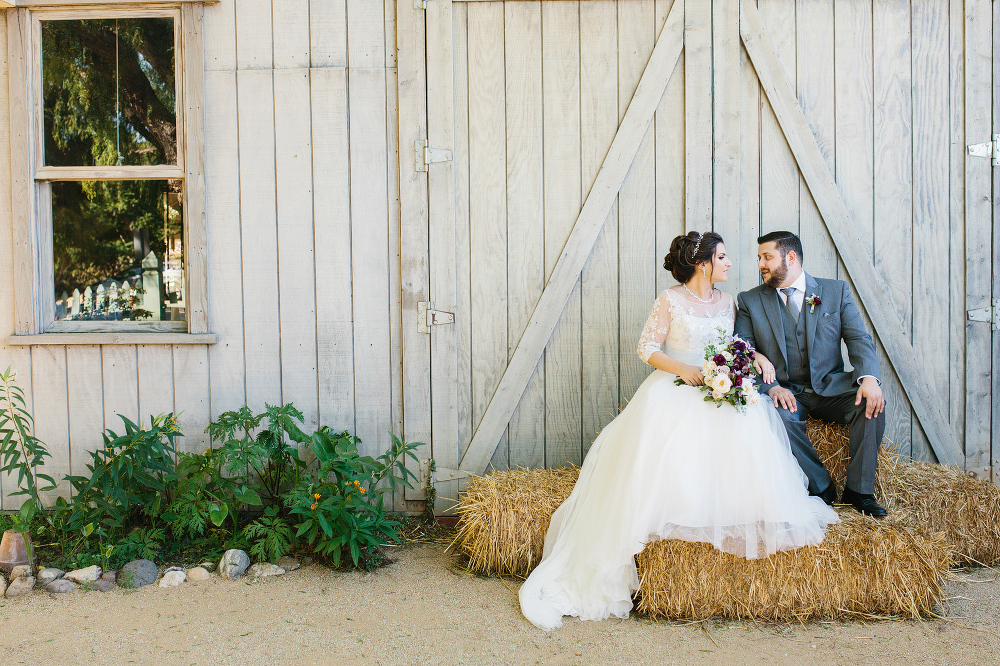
(864,568)
(938,517)
(929,498)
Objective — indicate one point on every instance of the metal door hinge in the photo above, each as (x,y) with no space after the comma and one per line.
(427,317)
(420,4)
(426,155)
(989,149)
(990,314)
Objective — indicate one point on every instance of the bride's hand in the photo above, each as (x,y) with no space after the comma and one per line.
(691,374)
(764,367)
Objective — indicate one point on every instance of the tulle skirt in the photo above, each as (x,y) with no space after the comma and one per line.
(670,466)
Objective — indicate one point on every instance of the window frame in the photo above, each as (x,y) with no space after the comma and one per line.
(31,179)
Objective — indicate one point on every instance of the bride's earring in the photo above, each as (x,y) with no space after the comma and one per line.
(704,271)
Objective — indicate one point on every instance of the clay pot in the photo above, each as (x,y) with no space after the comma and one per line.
(13,550)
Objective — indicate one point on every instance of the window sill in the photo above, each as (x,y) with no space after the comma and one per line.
(113,339)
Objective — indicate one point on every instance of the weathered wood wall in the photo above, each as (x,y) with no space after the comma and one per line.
(303,243)
(883,86)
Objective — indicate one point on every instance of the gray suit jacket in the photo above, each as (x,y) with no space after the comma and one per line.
(758,321)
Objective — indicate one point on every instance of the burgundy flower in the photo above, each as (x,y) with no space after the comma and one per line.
(719,360)
(738,381)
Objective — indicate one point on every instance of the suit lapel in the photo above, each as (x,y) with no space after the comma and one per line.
(812,287)
(769,298)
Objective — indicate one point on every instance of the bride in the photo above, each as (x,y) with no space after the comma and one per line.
(672,466)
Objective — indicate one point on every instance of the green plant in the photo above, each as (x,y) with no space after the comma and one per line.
(340,507)
(264,462)
(127,477)
(126,579)
(21,452)
(141,543)
(271,535)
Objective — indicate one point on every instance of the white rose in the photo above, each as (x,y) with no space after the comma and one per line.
(727,356)
(708,367)
(721,383)
(718,395)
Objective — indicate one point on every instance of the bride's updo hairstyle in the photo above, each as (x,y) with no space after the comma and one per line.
(687,251)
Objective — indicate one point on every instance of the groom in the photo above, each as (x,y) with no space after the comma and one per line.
(797,322)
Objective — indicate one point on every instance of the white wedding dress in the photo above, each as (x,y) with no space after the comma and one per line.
(671,466)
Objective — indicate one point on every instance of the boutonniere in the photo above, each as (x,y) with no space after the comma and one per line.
(813,301)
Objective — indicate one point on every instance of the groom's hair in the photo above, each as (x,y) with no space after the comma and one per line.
(784,241)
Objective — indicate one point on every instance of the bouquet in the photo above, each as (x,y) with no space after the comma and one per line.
(729,373)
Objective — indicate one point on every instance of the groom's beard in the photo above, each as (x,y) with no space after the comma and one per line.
(774,278)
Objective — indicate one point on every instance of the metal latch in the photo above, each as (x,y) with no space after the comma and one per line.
(989,149)
(990,315)
(426,155)
(427,317)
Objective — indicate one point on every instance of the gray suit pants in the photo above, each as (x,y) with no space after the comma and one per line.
(866,435)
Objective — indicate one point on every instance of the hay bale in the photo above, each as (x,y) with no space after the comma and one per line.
(864,568)
(930,498)
(504,517)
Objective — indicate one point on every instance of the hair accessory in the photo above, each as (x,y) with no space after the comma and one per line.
(696,246)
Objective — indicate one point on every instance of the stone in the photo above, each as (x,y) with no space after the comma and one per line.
(306,561)
(20,586)
(3,585)
(262,569)
(20,571)
(172,579)
(233,563)
(102,585)
(207,566)
(197,574)
(89,574)
(47,575)
(109,576)
(138,573)
(61,586)
(288,563)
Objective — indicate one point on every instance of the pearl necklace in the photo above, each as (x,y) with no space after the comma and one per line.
(711,299)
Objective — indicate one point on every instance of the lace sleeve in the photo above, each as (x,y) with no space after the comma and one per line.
(656,328)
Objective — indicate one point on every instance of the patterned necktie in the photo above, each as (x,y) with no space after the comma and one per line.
(790,303)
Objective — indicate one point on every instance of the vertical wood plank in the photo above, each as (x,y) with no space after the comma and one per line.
(220,36)
(697,115)
(369,239)
(254,35)
(332,228)
(366,34)
(931,201)
(562,198)
(84,388)
(413,227)
(726,49)
(488,208)
(637,200)
(328,32)
(463,248)
(50,397)
(599,278)
(225,269)
(155,366)
(893,189)
(779,175)
(670,146)
(296,267)
(193,138)
(957,98)
(995,439)
(290,28)
(527,221)
(255,108)
(121,385)
(981,120)
(192,396)
(750,173)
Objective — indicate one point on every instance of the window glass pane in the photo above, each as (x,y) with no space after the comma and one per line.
(108,92)
(118,250)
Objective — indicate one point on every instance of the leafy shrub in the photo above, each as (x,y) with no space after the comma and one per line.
(340,506)
(270,534)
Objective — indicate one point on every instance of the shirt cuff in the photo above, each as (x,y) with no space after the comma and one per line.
(872,376)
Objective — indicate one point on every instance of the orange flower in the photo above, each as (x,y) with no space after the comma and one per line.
(361,490)
(357,483)
(313,507)
(316,496)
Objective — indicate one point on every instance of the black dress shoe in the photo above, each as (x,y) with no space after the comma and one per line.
(829,495)
(865,504)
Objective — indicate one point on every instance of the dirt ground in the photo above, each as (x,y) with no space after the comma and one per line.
(422,609)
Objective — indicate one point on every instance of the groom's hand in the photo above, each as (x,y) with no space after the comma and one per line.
(784,398)
(871,392)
